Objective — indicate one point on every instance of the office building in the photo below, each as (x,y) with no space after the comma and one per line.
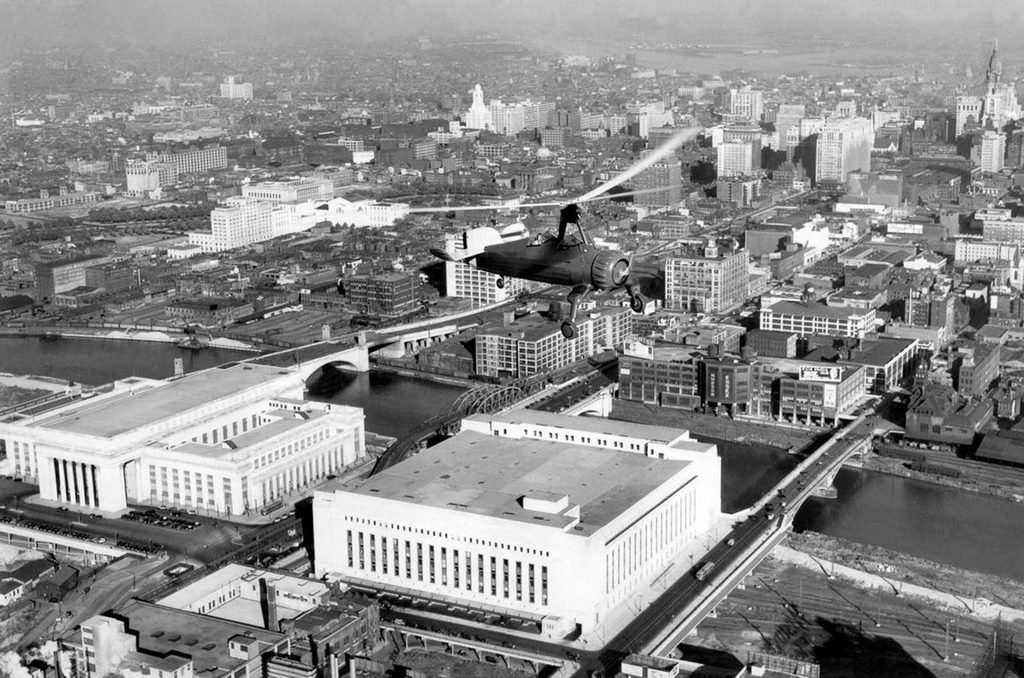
(788,117)
(294,191)
(532,345)
(746,103)
(391,293)
(479,115)
(661,185)
(807,319)
(144,176)
(229,89)
(673,375)
(469,282)
(844,145)
(193,160)
(736,159)
(707,279)
(54,277)
(230,440)
(993,151)
(236,223)
(998,225)
(556,518)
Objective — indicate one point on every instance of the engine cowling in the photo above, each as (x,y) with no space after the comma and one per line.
(609,270)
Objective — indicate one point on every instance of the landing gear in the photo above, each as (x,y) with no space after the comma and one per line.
(637,301)
(575,297)
(500,283)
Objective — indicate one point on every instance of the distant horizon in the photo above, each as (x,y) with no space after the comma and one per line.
(597,27)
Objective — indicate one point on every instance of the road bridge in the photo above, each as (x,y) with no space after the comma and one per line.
(742,550)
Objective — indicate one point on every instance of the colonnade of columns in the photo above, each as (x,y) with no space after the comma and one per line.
(76,482)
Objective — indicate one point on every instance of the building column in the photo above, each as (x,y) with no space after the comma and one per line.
(67,484)
(95,487)
(84,468)
(74,481)
(56,477)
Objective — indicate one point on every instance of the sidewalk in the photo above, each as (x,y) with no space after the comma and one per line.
(979,607)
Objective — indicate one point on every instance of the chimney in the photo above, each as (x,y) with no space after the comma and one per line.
(507,318)
(268,604)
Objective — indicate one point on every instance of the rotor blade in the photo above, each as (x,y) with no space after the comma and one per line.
(666,149)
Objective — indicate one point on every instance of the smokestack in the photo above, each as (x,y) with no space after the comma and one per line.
(268,604)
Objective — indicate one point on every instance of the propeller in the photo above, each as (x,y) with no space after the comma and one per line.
(597,193)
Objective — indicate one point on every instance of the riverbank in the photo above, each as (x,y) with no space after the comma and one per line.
(975,476)
(155,336)
(965,591)
(426,376)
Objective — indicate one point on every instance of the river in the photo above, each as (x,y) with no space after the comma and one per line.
(968,530)
(972,531)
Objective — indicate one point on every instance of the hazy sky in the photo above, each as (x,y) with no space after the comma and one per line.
(27,23)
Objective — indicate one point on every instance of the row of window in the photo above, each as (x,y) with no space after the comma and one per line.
(438,565)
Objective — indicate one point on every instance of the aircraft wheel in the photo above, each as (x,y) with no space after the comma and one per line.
(500,283)
(637,303)
(568,330)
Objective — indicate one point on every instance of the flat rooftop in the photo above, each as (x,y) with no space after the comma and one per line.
(163,629)
(227,575)
(816,309)
(613,427)
(110,416)
(486,475)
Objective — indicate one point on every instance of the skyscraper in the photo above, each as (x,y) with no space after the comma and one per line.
(746,102)
(478,116)
(660,175)
(844,145)
(736,159)
(993,150)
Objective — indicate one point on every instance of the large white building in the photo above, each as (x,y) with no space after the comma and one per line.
(736,158)
(479,115)
(229,89)
(554,517)
(812,319)
(993,151)
(232,440)
(532,345)
(469,282)
(844,146)
(747,103)
(243,221)
(298,190)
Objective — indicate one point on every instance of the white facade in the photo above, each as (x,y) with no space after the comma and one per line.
(746,102)
(478,116)
(298,190)
(811,319)
(230,89)
(469,282)
(561,520)
(844,146)
(993,151)
(736,159)
(229,440)
(971,251)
